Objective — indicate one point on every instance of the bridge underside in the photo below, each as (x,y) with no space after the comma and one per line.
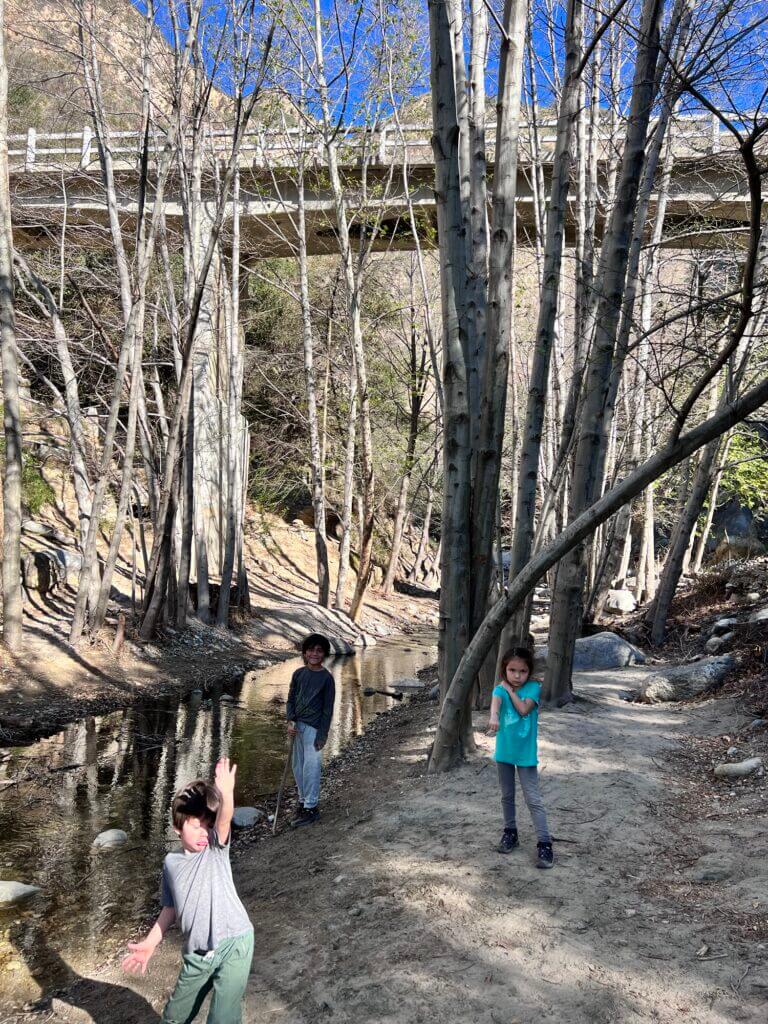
(708,207)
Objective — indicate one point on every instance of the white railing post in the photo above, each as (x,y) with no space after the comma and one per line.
(715,133)
(85,150)
(29,159)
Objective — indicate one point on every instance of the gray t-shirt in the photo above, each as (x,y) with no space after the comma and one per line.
(200,887)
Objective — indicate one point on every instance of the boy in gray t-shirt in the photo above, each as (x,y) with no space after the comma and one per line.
(199,895)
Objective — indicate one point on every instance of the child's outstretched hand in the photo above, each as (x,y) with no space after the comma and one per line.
(225,776)
(137,960)
(493,728)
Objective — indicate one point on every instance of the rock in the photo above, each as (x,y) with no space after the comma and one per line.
(620,601)
(723,626)
(739,769)
(110,839)
(732,549)
(407,684)
(246,817)
(339,646)
(761,615)
(680,682)
(752,596)
(731,751)
(710,869)
(603,650)
(12,893)
(716,643)
(262,663)
(758,723)
(226,698)
(43,530)
(434,693)
(364,640)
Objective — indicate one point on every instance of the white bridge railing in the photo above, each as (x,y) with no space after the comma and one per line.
(42,152)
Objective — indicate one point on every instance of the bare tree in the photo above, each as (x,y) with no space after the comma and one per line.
(12,607)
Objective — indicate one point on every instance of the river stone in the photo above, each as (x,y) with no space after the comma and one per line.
(12,893)
(759,616)
(710,869)
(680,682)
(246,817)
(715,643)
(434,693)
(739,769)
(110,839)
(408,684)
(620,601)
(723,626)
(601,651)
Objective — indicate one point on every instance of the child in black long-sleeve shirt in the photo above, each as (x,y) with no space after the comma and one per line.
(309,711)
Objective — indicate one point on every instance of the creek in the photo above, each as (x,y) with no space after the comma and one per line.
(121,771)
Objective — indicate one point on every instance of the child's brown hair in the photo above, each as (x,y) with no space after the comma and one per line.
(197,800)
(523,653)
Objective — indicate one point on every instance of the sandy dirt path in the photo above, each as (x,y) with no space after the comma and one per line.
(398,908)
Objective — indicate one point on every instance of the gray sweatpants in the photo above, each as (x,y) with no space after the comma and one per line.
(529,781)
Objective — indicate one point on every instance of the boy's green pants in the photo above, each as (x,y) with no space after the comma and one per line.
(225,973)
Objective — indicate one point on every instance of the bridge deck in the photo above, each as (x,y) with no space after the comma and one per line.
(53,172)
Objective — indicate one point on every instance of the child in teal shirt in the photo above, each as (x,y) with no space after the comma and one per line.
(514,721)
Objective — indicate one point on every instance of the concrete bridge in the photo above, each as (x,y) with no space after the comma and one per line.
(54,176)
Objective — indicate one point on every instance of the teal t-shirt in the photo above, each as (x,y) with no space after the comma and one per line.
(516,738)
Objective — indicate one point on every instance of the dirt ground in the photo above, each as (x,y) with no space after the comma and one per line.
(398,908)
(50,683)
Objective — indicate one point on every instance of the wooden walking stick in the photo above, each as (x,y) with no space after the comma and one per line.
(282,781)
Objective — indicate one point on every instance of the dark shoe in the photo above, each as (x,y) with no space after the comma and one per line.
(509,841)
(308,816)
(545,857)
(298,812)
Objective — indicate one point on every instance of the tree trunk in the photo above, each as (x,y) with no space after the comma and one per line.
(701,545)
(531,442)
(234,452)
(490,438)
(317,468)
(349,490)
(455,560)
(596,417)
(12,606)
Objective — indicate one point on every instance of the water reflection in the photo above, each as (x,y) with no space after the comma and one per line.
(120,771)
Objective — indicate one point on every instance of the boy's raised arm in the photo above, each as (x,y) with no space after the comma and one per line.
(225,783)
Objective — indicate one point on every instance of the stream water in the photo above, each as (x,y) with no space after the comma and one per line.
(120,771)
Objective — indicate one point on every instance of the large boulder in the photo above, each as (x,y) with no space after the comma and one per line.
(681,682)
(734,549)
(601,651)
(620,601)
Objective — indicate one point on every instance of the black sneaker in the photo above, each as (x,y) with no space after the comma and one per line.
(545,857)
(509,841)
(298,812)
(308,816)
